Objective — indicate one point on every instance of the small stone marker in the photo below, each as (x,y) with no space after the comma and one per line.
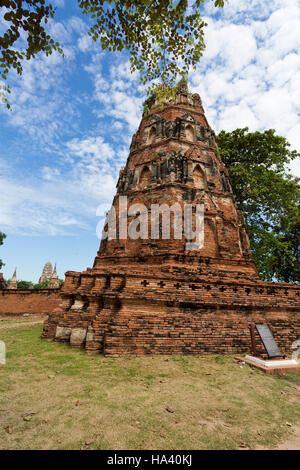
(268,341)
(296,350)
(2,353)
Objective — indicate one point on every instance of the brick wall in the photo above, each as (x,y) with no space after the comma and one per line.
(19,302)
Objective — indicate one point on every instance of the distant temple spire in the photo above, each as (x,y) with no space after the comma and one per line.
(54,281)
(54,274)
(46,274)
(13,282)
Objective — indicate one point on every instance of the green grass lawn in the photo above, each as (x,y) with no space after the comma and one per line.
(55,397)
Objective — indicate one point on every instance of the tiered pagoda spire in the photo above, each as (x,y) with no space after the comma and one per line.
(146,292)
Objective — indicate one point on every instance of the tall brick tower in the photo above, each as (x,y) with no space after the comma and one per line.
(151,294)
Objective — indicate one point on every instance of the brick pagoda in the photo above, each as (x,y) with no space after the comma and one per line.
(152,296)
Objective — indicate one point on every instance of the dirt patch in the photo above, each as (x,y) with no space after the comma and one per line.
(17,320)
(15,325)
(24,317)
(293,443)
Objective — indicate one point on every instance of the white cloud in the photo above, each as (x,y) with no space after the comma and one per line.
(237,116)
(60,33)
(50,174)
(35,210)
(77,25)
(238,45)
(295,165)
(94,152)
(85,43)
(250,72)
(66,197)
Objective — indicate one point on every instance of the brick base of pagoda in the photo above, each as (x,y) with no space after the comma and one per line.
(174,310)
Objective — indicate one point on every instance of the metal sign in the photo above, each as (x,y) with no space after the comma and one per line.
(268,341)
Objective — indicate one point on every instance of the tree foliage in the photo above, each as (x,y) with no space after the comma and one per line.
(164,38)
(24,285)
(268,196)
(43,285)
(288,261)
(2,237)
(26,19)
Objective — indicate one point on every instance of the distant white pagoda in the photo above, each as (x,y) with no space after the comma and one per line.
(54,281)
(13,282)
(46,274)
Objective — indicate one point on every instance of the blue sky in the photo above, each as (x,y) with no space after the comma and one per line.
(72,119)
